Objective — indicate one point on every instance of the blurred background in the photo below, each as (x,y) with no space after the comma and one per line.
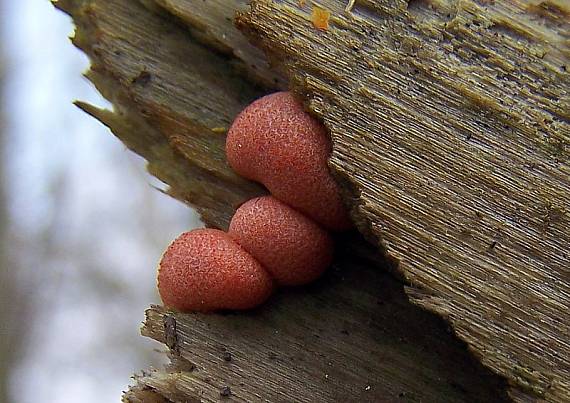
(82,226)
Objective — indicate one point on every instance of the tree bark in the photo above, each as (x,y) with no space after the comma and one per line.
(450,125)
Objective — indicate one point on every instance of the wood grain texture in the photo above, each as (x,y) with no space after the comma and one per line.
(364,346)
(451,122)
(211,23)
(173,98)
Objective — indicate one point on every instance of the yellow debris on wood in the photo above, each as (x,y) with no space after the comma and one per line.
(320,18)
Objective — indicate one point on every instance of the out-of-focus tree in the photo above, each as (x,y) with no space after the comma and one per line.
(12,310)
(4,307)
(5,283)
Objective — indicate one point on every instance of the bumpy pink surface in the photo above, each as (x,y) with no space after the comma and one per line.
(290,246)
(275,142)
(205,270)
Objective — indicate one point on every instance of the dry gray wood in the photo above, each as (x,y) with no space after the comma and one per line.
(368,345)
(451,122)
(416,146)
(211,23)
(174,100)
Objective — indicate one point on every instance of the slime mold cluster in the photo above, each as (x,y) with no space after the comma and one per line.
(281,239)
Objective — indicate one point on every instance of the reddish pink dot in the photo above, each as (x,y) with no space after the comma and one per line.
(292,247)
(205,270)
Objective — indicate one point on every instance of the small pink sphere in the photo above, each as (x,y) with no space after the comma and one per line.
(290,246)
(206,270)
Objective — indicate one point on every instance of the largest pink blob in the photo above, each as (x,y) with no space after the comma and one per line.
(275,142)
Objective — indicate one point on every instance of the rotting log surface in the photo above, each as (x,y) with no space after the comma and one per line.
(363,346)
(450,122)
(453,152)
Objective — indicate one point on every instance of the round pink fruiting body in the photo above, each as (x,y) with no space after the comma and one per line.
(275,142)
(290,246)
(205,270)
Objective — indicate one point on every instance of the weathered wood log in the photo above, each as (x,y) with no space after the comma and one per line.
(367,344)
(451,121)
(450,126)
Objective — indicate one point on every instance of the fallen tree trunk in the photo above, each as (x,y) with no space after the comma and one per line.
(450,123)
